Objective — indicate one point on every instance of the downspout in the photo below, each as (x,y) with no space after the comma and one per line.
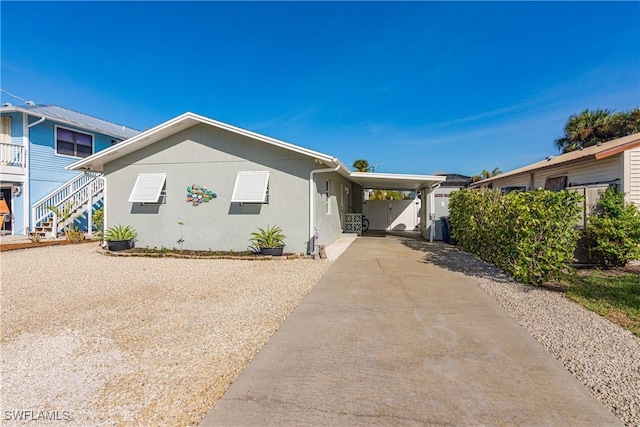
(312,196)
(42,119)
(26,141)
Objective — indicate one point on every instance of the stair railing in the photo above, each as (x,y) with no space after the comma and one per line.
(79,191)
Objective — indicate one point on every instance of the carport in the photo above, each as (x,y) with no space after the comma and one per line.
(396,215)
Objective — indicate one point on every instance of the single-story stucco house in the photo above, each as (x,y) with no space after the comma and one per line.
(590,171)
(201,184)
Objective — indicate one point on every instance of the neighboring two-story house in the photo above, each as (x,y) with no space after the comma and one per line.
(37,142)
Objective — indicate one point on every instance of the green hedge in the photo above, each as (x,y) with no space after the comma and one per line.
(531,235)
(613,231)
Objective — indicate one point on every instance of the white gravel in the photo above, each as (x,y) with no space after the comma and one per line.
(600,354)
(134,341)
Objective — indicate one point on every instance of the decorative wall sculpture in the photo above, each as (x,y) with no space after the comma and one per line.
(197,194)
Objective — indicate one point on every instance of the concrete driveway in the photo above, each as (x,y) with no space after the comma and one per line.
(385,338)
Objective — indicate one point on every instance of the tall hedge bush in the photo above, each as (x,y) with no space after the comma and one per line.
(613,230)
(531,235)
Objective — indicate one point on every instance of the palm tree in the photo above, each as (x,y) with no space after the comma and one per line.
(361,165)
(486,174)
(588,128)
(626,122)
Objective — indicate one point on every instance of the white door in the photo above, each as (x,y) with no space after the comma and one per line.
(404,215)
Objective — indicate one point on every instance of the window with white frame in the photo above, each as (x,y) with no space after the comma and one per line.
(5,136)
(72,143)
(327,193)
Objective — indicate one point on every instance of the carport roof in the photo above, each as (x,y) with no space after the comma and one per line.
(367,180)
(389,181)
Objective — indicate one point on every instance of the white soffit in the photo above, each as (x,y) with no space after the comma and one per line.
(147,188)
(251,187)
(388,181)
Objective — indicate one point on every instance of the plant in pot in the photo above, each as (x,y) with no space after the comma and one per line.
(120,237)
(269,241)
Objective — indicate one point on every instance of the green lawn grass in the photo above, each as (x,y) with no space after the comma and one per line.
(610,293)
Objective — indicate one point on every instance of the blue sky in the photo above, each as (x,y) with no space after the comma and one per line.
(414,87)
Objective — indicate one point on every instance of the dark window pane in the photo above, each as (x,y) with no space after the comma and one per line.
(556,183)
(65,135)
(84,151)
(66,148)
(83,139)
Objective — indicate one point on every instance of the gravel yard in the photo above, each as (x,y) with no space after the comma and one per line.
(135,341)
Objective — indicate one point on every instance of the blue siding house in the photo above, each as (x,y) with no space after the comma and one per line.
(37,142)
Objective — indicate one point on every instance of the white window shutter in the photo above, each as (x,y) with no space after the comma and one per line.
(251,187)
(147,188)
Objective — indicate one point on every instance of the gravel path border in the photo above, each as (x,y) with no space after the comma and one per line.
(600,354)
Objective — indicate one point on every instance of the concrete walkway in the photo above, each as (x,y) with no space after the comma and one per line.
(385,338)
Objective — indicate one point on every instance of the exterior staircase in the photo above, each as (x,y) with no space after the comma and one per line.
(83,191)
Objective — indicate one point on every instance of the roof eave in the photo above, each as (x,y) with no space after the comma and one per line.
(97,160)
(17,109)
(395,181)
(617,150)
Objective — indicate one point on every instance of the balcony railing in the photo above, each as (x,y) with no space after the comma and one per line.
(12,155)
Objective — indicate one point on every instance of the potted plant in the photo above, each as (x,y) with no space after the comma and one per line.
(269,241)
(120,237)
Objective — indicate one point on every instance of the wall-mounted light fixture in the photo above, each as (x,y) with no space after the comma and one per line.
(17,190)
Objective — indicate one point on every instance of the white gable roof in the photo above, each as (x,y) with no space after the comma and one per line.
(173,126)
(97,161)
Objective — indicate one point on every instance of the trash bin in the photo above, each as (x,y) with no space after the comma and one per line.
(445,230)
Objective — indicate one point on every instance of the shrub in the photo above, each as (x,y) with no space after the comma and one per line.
(35,237)
(75,235)
(531,235)
(120,233)
(272,237)
(97,219)
(64,216)
(613,230)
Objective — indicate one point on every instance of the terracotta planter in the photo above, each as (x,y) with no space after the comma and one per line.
(119,245)
(272,251)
